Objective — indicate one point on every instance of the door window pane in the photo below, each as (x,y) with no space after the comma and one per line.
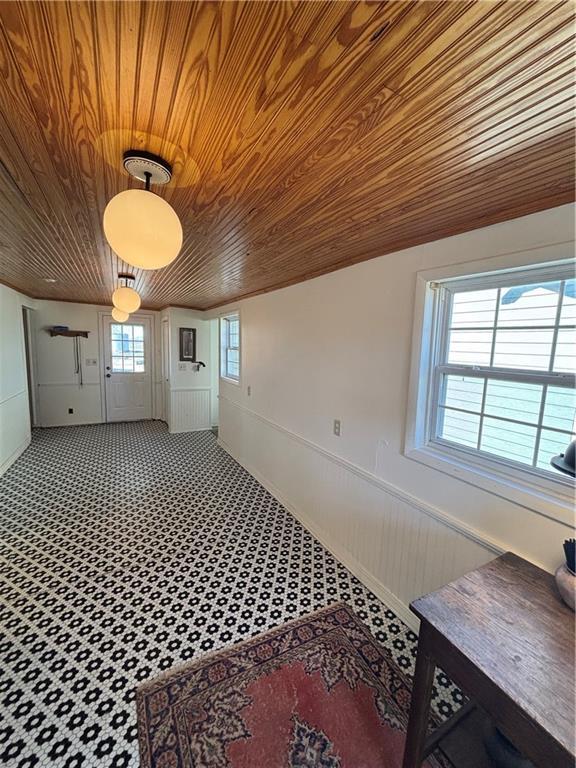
(127,343)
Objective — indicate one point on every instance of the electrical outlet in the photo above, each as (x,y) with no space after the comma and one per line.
(249,390)
(337,427)
(70,410)
(181,366)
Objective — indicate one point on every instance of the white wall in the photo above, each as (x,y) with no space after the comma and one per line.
(189,392)
(58,384)
(14,409)
(339,347)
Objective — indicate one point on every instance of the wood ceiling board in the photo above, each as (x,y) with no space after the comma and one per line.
(304,136)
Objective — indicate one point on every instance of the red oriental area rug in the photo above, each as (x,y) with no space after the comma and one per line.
(317,692)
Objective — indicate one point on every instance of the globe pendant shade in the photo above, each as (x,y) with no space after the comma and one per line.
(126,299)
(142,229)
(120,316)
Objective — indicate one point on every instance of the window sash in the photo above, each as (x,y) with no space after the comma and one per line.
(230,342)
(505,278)
(441,369)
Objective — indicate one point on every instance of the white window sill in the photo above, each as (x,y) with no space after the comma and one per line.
(230,381)
(552,498)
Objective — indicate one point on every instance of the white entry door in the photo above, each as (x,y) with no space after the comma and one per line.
(128,374)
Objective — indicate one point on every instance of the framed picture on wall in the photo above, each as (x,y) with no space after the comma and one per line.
(188,345)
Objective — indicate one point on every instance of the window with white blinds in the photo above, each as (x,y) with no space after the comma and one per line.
(230,347)
(503,366)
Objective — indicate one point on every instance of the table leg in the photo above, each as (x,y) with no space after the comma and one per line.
(420,704)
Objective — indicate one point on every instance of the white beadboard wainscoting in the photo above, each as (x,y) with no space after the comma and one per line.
(14,428)
(398,546)
(14,409)
(189,409)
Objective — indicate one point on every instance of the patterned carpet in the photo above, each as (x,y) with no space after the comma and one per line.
(125,551)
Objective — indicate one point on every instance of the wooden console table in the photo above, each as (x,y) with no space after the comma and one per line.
(505,637)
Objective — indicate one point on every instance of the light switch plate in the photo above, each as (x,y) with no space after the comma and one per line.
(337,427)
(181,366)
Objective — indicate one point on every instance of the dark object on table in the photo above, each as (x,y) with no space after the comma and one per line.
(566,583)
(60,328)
(566,462)
(501,751)
(570,553)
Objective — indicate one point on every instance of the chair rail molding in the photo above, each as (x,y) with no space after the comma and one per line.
(426,546)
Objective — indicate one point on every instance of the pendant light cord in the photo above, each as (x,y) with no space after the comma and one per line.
(148,177)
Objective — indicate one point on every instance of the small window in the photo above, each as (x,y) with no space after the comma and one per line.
(497,375)
(127,342)
(230,347)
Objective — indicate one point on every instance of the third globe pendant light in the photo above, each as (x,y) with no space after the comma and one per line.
(119,315)
(141,227)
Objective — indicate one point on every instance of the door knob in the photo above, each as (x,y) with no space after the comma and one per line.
(107,367)
(108,375)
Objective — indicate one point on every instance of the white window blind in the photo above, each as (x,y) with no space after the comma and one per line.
(504,365)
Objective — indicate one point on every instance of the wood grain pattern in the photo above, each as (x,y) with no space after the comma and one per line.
(304,136)
(503,633)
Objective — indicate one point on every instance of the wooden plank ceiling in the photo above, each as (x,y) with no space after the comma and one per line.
(304,136)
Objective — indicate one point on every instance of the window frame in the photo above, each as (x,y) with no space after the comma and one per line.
(550,495)
(224,320)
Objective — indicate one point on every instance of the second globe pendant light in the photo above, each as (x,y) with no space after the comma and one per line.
(125,298)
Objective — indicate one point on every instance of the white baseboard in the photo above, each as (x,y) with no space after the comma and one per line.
(17,453)
(362,574)
(191,429)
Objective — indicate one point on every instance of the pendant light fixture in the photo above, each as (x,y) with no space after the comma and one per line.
(119,316)
(141,227)
(125,298)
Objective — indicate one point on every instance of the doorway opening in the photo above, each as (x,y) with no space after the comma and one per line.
(214,373)
(29,352)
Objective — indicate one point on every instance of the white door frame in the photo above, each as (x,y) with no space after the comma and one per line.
(152,317)
(29,330)
(165,364)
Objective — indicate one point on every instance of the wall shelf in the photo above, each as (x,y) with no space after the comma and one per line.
(72,334)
